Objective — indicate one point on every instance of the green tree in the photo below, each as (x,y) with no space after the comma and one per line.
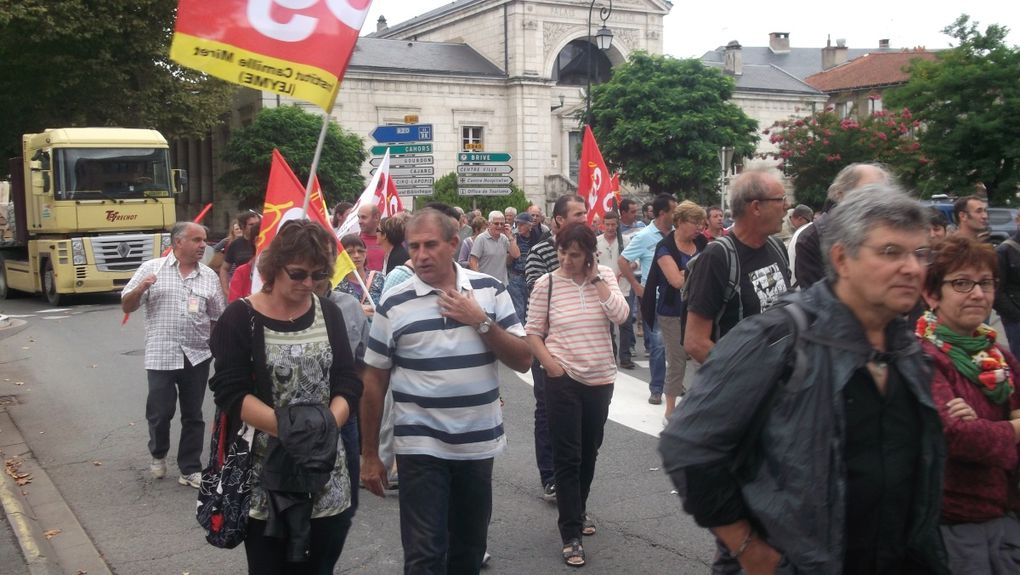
(445,190)
(98,63)
(294,132)
(814,149)
(968,101)
(662,122)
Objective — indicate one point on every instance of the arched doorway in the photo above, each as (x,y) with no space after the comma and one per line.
(571,67)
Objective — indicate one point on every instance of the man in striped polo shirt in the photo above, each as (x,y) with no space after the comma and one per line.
(435,341)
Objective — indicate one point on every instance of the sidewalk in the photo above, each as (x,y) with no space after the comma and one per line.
(35,510)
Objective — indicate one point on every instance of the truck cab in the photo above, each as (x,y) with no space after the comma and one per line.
(88,206)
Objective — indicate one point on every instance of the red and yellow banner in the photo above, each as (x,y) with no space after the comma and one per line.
(299,48)
(594,181)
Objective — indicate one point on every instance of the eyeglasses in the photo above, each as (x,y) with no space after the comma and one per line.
(898,254)
(301,275)
(964,285)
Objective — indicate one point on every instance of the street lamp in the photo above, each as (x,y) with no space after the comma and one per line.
(603,39)
(725,160)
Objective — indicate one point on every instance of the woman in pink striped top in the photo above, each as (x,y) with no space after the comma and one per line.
(569,317)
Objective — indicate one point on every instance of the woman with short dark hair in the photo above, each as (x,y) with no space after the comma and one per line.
(391,238)
(974,389)
(281,349)
(570,310)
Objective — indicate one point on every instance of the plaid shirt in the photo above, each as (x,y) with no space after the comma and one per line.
(178,312)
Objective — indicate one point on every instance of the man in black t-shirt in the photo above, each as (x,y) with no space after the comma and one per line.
(757,200)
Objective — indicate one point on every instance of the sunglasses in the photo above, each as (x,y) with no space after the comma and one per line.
(302,275)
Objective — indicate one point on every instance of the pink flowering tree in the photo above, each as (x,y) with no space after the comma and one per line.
(813,149)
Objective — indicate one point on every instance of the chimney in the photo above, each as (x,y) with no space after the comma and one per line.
(883,44)
(733,63)
(833,56)
(380,25)
(779,42)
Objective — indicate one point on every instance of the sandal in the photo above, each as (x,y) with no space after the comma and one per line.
(573,553)
(588,526)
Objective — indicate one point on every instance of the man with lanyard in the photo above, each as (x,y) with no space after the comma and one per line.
(526,235)
(542,260)
(436,341)
(182,299)
(630,224)
(641,250)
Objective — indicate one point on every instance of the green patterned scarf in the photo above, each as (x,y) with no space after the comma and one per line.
(975,356)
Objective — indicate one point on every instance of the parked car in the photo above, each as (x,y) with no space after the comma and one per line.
(1001,221)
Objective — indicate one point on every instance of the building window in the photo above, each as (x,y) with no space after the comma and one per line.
(571,67)
(574,163)
(874,104)
(471,139)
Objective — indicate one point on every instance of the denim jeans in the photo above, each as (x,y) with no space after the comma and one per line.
(165,387)
(445,507)
(627,330)
(656,357)
(577,420)
(543,448)
(518,289)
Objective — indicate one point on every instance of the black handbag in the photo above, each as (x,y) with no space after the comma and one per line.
(224,497)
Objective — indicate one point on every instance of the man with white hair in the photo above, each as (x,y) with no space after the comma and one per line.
(493,249)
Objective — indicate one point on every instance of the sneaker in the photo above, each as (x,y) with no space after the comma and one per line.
(549,492)
(485,559)
(158,468)
(191,480)
(655,398)
(628,364)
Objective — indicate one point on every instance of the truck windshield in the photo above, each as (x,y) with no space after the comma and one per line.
(111,173)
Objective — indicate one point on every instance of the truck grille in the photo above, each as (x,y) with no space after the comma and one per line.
(121,253)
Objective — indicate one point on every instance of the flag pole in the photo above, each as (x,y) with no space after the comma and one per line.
(315,163)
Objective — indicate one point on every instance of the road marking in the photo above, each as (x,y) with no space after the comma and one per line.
(62,309)
(630,405)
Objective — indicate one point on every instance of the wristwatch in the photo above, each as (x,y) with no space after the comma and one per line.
(484,327)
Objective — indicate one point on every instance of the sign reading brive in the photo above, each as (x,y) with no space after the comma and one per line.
(266,45)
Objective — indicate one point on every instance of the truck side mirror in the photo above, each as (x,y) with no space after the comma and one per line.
(180,181)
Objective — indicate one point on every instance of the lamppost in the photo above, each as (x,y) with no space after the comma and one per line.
(604,39)
(725,160)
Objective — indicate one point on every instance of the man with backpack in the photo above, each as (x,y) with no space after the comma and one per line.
(809,442)
(742,273)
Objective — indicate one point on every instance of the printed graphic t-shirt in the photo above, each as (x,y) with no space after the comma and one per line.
(764,277)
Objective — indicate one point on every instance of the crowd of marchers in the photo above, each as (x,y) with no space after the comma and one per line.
(835,398)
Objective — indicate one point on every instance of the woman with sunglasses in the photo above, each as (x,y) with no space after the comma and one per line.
(974,389)
(374,280)
(278,349)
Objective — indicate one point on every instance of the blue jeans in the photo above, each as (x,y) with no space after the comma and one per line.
(627,330)
(656,357)
(445,507)
(518,289)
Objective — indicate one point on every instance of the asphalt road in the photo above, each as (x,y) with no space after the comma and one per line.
(81,409)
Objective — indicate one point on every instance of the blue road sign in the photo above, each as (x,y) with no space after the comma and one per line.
(403,133)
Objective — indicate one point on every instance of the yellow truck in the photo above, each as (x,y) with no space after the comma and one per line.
(86,207)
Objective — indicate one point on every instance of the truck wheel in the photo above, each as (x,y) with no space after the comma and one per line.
(3,279)
(50,285)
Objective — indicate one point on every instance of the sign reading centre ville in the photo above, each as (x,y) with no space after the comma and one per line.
(477,171)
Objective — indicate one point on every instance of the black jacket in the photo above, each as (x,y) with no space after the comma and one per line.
(1007,294)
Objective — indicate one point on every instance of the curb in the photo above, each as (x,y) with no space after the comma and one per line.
(33,509)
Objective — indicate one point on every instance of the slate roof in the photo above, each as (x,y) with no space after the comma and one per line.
(431,14)
(798,62)
(404,56)
(767,79)
(869,71)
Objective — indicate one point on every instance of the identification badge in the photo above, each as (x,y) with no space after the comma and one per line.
(192,304)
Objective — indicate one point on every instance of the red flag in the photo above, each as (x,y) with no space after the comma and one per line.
(614,185)
(593,182)
(285,197)
(299,49)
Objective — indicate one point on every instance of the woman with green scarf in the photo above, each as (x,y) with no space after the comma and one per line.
(974,387)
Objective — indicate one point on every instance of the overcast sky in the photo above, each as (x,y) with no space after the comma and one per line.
(694,27)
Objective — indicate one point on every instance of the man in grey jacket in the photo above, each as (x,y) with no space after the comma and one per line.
(836,469)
